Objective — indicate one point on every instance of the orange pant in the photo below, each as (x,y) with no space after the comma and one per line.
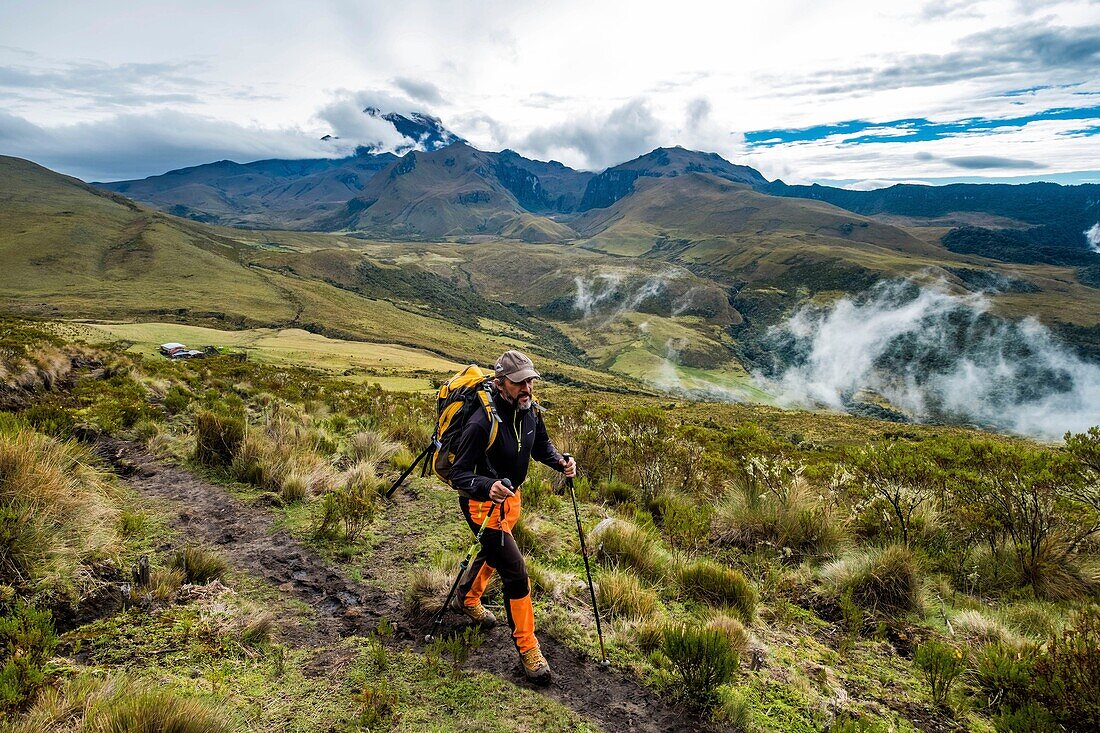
(499,552)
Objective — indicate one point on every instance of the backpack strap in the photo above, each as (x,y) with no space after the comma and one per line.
(485,394)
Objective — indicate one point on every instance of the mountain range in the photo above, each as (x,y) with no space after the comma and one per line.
(677,256)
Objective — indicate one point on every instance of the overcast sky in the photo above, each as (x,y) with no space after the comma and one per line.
(843,91)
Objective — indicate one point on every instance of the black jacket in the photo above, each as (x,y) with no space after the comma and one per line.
(520,437)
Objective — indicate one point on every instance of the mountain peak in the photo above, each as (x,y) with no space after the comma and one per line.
(618,181)
(423,131)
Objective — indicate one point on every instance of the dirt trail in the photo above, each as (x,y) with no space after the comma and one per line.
(244,535)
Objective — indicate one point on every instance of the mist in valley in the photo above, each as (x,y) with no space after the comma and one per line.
(938,357)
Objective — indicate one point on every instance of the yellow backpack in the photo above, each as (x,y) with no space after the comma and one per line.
(458,399)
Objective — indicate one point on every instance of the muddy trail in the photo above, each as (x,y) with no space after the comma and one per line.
(243,533)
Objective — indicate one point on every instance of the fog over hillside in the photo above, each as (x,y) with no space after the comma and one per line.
(938,356)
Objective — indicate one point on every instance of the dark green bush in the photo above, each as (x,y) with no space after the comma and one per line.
(707,581)
(218,437)
(1070,672)
(1004,675)
(702,659)
(1030,718)
(941,665)
(176,400)
(616,492)
(27,639)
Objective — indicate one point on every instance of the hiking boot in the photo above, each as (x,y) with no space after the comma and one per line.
(535,666)
(477,613)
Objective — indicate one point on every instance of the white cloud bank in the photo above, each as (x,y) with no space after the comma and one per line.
(938,356)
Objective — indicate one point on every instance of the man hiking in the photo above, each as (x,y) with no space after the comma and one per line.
(477,473)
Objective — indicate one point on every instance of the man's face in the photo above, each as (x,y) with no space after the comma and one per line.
(518,393)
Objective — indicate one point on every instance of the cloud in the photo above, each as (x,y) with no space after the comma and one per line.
(1029,49)
(939,357)
(981,162)
(1092,236)
(598,141)
(421,91)
(141,144)
(949,8)
(345,117)
(106,85)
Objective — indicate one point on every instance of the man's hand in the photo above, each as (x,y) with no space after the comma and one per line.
(569,467)
(498,492)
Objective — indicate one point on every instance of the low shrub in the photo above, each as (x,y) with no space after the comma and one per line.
(1031,717)
(1070,672)
(707,581)
(620,593)
(702,660)
(218,437)
(884,581)
(27,639)
(1003,675)
(941,665)
(685,523)
(199,566)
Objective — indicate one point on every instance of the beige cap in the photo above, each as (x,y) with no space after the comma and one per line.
(516,367)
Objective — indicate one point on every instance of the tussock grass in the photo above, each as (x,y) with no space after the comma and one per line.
(536,536)
(623,544)
(371,445)
(218,437)
(295,488)
(543,579)
(881,580)
(649,634)
(707,581)
(616,492)
(732,629)
(978,629)
(256,629)
(774,506)
(199,566)
(88,705)
(1037,619)
(165,583)
(425,591)
(57,514)
(620,593)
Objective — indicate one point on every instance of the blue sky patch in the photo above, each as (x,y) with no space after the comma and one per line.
(914,129)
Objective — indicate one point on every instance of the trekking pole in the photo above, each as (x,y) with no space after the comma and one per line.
(422,457)
(437,622)
(604,661)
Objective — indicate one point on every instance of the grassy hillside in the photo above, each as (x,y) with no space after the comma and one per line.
(762,570)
